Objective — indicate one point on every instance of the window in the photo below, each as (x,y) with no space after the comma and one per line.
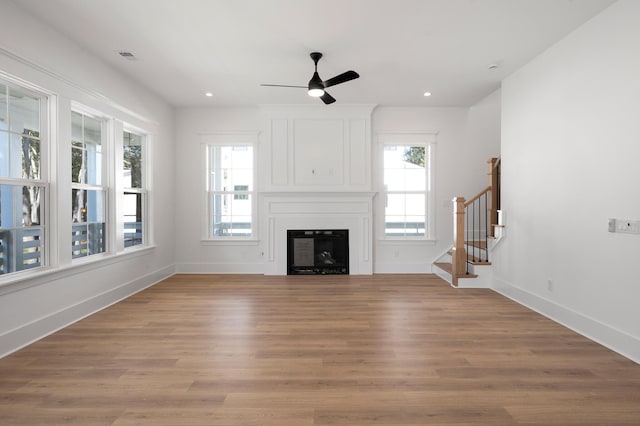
(135,193)
(88,189)
(56,226)
(230,191)
(406,170)
(23,182)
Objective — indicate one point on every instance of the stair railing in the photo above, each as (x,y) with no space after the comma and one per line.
(477,227)
(473,222)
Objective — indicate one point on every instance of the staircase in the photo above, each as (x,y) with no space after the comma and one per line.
(477,227)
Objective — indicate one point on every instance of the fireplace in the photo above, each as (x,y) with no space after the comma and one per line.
(317,251)
(321,211)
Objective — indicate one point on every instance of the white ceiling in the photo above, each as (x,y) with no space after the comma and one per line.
(400,48)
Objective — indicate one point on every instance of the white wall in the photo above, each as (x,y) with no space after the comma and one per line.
(32,308)
(193,125)
(570,150)
(466,138)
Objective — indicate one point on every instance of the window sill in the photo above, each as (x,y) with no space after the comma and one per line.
(25,279)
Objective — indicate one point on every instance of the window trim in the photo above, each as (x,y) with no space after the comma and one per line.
(55,178)
(106,136)
(227,139)
(144,190)
(409,138)
(47,103)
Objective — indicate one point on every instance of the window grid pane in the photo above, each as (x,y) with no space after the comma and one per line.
(230,166)
(231,188)
(88,203)
(88,222)
(19,134)
(405,179)
(135,194)
(132,161)
(22,226)
(231,216)
(86,152)
(4,107)
(21,230)
(133,218)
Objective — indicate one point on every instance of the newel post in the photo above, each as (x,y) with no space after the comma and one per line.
(458,255)
(494,183)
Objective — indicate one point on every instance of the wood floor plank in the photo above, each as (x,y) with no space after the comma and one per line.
(317,350)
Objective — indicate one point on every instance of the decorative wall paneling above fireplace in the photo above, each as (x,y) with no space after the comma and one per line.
(309,149)
(316,165)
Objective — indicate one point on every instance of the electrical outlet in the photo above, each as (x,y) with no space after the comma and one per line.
(549,285)
(624,226)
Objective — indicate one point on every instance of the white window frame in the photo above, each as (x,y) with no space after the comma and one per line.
(106,141)
(143,190)
(228,139)
(55,227)
(46,103)
(428,140)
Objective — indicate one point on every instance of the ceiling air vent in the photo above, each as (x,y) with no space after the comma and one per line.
(127,55)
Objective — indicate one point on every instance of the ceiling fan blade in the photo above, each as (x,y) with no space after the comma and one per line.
(282,85)
(341,78)
(327,98)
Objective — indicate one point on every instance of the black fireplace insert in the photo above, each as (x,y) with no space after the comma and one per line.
(318,251)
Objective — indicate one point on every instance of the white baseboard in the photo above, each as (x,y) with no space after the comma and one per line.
(220,268)
(259,268)
(26,334)
(478,282)
(484,277)
(616,340)
(402,268)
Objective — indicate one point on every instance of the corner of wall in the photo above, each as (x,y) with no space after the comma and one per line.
(18,338)
(603,334)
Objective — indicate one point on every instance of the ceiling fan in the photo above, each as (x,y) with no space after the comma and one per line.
(316,86)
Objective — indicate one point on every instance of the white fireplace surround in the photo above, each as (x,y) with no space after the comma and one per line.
(316,169)
(337,210)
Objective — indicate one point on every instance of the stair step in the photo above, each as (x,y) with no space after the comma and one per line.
(478,261)
(481,244)
(473,260)
(448,267)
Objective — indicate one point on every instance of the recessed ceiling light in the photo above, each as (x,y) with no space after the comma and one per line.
(208,94)
(427,94)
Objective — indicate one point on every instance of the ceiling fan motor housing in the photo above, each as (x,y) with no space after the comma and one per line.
(316,82)
(316,86)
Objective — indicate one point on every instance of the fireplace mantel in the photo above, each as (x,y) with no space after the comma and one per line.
(282,211)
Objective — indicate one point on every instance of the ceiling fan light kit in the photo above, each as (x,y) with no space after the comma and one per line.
(316,87)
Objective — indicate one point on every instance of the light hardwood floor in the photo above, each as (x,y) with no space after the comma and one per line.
(317,350)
